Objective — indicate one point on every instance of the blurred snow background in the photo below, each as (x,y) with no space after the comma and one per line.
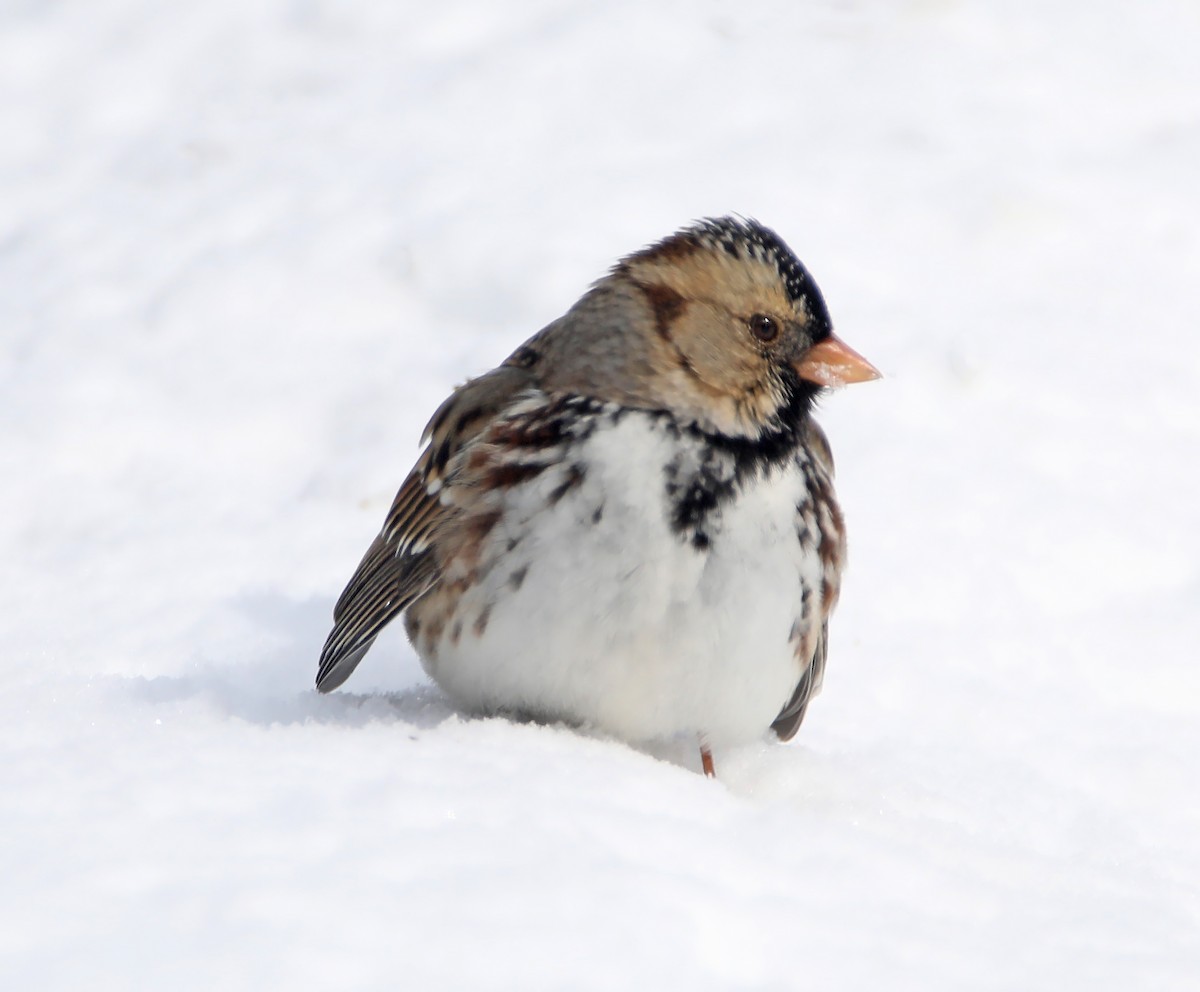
(245,248)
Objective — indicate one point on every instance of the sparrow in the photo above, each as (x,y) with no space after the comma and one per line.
(630,524)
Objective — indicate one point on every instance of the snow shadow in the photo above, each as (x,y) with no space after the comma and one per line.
(419,706)
(271,682)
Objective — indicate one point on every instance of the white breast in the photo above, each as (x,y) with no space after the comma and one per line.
(599,613)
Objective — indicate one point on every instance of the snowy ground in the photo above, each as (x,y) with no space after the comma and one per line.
(245,248)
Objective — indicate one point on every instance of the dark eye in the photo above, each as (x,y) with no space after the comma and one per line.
(763,327)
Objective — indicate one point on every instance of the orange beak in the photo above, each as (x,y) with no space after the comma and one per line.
(834,363)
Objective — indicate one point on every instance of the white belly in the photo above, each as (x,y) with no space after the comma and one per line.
(620,623)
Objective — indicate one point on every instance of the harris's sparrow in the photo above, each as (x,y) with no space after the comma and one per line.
(630,524)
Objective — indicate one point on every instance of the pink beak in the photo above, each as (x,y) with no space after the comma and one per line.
(832,362)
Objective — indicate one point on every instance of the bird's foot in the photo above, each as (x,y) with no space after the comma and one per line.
(706,761)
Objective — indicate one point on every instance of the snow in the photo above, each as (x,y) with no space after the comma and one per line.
(245,249)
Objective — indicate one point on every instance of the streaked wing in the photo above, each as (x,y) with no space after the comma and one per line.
(792,715)
(402,563)
(397,569)
(831,550)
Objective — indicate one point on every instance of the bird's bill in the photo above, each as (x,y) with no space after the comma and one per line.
(832,362)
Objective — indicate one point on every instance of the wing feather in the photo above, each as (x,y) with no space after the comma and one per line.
(792,715)
(832,554)
(403,564)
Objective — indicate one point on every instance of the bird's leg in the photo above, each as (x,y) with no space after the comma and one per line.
(706,761)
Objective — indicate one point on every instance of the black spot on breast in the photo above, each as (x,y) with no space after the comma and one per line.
(696,493)
(803,535)
(518,577)
(574,477)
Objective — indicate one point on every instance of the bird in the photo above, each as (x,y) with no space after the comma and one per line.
(630,524)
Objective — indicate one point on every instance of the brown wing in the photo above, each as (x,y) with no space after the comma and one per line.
(401,564)
(831,549)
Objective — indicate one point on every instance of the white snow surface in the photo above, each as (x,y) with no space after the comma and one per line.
(246,248)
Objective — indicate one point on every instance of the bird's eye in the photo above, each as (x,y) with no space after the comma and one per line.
(763,327)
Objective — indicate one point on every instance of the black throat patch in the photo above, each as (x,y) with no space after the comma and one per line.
(710,470)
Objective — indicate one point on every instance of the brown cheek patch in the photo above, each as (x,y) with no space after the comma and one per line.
(667,306)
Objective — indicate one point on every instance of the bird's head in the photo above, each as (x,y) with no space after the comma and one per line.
(738,335)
